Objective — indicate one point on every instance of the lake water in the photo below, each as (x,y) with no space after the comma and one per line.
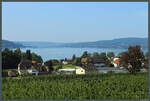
(62,53)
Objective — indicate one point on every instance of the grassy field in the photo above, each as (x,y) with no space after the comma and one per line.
(89,86)
(64,66)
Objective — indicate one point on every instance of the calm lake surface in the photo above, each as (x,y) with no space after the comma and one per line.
(62,53)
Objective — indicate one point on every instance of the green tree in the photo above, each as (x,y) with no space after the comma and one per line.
(95,54)
(28,55)
(77,61)
(73,57)
(108,63)
(84,55)
(18,52)
(120,54)
(110,54)
(10,59)
(36,58)
(103,55)
(132,59)
(146,55)
(65,59)
(49,65)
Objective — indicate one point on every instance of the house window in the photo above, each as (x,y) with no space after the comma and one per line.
(81,70)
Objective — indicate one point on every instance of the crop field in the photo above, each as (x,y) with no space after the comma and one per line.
(89,86)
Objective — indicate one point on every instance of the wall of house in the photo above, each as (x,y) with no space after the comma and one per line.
(80,71)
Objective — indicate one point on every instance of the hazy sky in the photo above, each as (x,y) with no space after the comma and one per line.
(73,21)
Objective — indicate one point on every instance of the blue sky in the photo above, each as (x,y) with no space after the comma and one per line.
(73,21)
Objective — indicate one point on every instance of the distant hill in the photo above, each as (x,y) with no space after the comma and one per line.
(115,43)
(10,44)
(36,44)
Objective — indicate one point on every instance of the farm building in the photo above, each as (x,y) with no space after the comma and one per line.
(80,70)
(116,62)
(64,62)
(66,71)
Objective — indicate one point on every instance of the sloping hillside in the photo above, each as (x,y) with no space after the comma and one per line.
(10,44)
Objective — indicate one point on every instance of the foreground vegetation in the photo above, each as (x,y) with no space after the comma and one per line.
(89,86)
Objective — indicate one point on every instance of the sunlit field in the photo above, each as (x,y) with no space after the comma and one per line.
(89,86)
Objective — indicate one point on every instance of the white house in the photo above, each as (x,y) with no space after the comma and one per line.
(80,70)
(65,62)
(99,65)
(116,62)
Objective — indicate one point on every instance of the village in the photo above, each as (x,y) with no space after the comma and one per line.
(98,63)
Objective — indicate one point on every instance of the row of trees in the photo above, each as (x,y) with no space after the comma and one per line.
(132,59)
(106,57)
(11,58)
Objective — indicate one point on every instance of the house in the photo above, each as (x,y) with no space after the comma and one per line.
(39,63)
(64,62)
(23,66)
(98,62)
(80,70)
(69,61)
(84,60)
(100,65)
(26,65)
(77,70)
(55,62)
(116,62)
(33,62)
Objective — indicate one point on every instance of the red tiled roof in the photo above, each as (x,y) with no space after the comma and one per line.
(117,61)
(33,61)
(84,59)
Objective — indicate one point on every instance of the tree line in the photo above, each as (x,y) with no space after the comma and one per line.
(11,58)
(133,59)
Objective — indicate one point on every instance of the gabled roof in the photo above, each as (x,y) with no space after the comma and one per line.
(33,61)
(117,61)
(84,59)
(96,60)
